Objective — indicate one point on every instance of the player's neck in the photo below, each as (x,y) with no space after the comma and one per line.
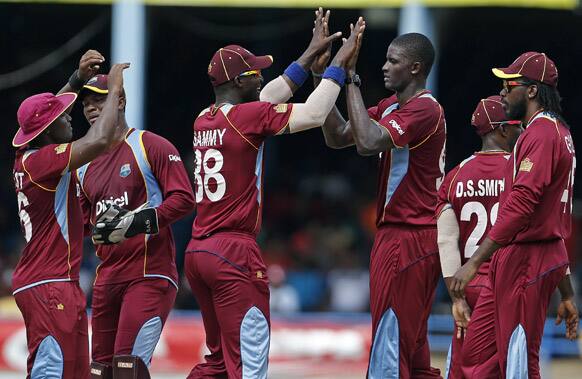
(121,129)
(410,91)
(533,108)
(489,144)
(228,98)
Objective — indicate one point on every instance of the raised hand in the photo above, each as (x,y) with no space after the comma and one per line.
(321,39)
(89,64)
(347,55)
(320,62)
(115,78)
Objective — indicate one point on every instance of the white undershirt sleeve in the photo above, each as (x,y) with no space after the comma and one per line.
(448,241)
(314,111)
(277,91)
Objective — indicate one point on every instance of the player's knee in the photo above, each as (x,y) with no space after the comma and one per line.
(101,371)
(129,367)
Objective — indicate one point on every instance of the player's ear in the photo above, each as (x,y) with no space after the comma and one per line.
(415,68)
(122,102)
(532,91)
(237,82)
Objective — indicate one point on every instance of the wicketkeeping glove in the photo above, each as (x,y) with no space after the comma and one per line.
(117,224)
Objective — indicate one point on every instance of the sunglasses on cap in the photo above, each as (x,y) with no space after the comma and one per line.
(509,84)
(249,73)
(506,123)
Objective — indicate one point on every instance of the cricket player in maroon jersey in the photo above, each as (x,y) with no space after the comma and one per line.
(408,131)
(136,282)
(46,279)
(534,217)
(223,262)
(466,209)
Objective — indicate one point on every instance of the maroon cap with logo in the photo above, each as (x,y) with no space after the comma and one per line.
(488,115)
(233,60)
(97,84)
(38,112)
(531,65)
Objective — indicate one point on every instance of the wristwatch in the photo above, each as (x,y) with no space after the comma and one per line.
(354,79)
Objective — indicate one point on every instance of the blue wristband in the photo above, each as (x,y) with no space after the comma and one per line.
(296,73)
(335,73)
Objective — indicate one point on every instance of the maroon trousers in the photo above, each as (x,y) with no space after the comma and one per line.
(523,277)
(56,330)
(128,317)
(229,280)
(404,271)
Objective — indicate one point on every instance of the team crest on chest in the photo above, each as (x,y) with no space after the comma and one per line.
(125,170)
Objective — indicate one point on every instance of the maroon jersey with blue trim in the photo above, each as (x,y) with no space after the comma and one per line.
(144,168)
(50,217)
(537,202)
(228,150)
(411,172)
(472,190)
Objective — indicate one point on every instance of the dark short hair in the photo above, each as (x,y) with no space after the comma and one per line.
(419,48)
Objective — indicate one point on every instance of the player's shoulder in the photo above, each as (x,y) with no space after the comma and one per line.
(387,102)
(252,107)
(424,102)
(43,153)
(153,140)
(547,125)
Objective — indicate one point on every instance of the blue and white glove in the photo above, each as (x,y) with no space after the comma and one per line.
(117,224)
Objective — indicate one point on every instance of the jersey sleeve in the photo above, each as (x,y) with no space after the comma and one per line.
(413,123)
(46,165)
(85,208)
(261,119)
(443,197)
(532,169)
(173,180)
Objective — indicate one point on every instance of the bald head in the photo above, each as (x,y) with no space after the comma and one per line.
(417,48)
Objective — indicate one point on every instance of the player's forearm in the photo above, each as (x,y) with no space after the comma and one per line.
(484,252)
(368,136)
(336,130)
(515,212)
(448,280)
(314,111)
(176,205)
(276,91)
(566,289)
(448,242)
(99,137)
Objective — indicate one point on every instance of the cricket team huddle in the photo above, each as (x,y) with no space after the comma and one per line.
(493,227)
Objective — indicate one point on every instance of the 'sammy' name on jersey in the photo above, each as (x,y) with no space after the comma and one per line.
(483,187)
(211,137)
(102,205)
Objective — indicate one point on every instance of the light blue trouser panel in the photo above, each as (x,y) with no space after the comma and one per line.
(49,361)
(449,358)
(517,355)
(147,339)
(254,344)
(385,356)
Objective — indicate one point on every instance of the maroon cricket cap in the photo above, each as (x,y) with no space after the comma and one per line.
(488,115)
(233,60)
(97,84)
(38,112)
(531,65)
